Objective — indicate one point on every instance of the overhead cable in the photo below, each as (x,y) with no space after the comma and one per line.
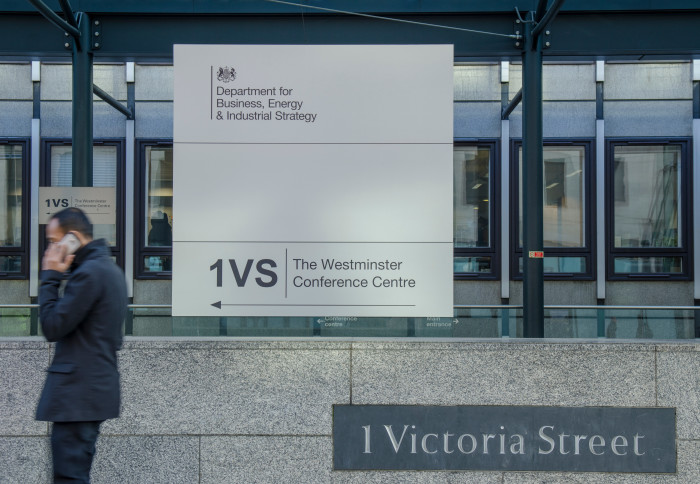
(378,17)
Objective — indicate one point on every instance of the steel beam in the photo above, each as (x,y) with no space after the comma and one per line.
(68,12)
(541,9)
(106,97)
(82,106)
(151,37)
(547,19)
(533,267)
(53,17)
(512,104)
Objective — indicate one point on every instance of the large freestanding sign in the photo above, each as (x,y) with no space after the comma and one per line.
(313,180)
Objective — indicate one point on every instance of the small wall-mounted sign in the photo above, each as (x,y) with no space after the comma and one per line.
(504,438)
(98,203)
(536,254)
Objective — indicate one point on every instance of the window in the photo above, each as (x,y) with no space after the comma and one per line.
(474,211)
(155,192)
(648,212)
(13,209)
(106,172)
(567,207)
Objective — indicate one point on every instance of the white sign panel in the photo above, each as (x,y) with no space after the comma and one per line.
(313,180)
(98,203)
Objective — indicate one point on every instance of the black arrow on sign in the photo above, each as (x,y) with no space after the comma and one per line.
(218,305)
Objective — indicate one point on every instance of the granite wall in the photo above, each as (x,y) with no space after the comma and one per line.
(231,410)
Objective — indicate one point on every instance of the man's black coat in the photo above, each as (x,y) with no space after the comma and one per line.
(82,383)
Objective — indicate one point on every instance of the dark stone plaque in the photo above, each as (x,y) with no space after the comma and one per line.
(505,438)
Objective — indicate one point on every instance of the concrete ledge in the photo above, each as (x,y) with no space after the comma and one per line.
(259,410)
(20,343)
(230,343)
(511,344)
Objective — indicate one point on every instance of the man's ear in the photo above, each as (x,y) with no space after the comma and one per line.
(82,238)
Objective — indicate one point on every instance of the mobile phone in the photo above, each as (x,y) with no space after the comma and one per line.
(70,242)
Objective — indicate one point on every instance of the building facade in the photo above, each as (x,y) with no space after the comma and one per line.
(621,109)
(619,203)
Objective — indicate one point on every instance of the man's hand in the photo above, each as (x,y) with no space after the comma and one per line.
(55,258)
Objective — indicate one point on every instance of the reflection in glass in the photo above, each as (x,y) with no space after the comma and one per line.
(157,263)
(566,265)
(648,265)
(658,323)
(159,197)
(15,322)
(11,264)
(646,191)
(472,264)
(10,195)
(564,196)
(104,174)
(471,196)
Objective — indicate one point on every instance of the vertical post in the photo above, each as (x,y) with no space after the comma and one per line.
(600,182)
(34,183)
(600,319)
(129,322)
(505,186)
(82,104)
(33,321)
(696,191)
(533,284)
(505,210)
(505,322)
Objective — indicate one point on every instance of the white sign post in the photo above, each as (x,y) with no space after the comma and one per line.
(313,180)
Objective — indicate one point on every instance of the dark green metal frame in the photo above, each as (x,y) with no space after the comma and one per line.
(84,36)
(365,6)
(147,29)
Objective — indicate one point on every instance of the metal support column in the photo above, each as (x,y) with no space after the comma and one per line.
(82,104)
(696,178)
(130,168)
(505,184)
(600,182)
(80,29)
(533,285)
(34,183)
(696,192)
(505,209)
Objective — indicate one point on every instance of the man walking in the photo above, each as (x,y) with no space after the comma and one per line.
(82,384)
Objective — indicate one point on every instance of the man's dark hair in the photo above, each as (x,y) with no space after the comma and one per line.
(73,220)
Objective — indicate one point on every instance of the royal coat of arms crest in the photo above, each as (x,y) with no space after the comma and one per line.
(226,74)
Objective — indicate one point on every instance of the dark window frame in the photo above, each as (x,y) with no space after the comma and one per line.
(493,251)
(685,250)
(118,251)
(23,250)
(141,250)
(588,251)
